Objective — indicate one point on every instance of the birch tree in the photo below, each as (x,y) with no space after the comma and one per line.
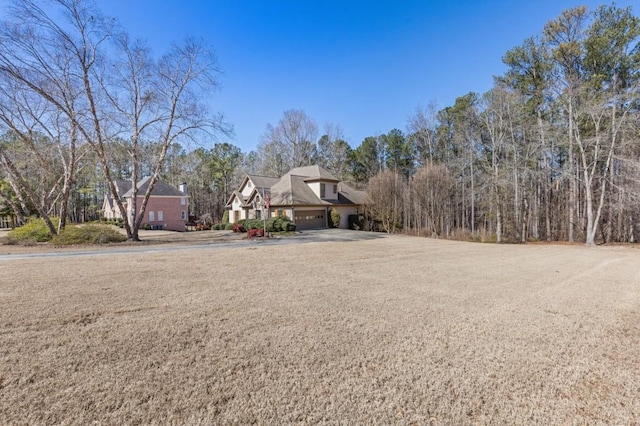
(121,90)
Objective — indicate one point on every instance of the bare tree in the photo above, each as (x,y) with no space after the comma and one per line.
(431,187)
(289,144)
(422,130)
(385,199)
(121,91)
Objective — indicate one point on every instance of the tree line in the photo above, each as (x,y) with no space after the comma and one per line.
(549,153)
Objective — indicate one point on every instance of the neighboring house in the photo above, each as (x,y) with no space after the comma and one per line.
(167,208)
(7,221)
(305,194)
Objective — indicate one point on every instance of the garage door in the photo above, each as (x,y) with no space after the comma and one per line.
(310,219)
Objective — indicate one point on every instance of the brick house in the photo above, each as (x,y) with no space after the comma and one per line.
(167,208)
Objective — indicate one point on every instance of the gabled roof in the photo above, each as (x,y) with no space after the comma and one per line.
(122,186)
(161,189)
(312,173)
(258,192)
(292,190)
(235,194)
(263,181)
(348,195)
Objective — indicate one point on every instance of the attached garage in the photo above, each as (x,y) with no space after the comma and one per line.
(310,219)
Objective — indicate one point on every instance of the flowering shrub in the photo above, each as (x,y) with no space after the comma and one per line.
(253,233)
(237,228)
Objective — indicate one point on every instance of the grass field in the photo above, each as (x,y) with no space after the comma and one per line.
(391,331)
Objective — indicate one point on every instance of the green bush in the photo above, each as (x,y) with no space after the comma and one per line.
(271,224)
(228,226)
(34,231)
(291,226)
(119,222)
(88,234)
(278,224)
(253,224)
(334,216)
(225,217)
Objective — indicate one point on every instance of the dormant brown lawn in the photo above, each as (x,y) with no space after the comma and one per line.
(398,330)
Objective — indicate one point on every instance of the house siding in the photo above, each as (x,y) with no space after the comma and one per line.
(247,188)
(329,193)
(236,210)
(345,212)
(171,211)
(273,212)
(298,191)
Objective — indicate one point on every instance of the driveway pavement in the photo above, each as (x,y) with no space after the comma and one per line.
(308,236)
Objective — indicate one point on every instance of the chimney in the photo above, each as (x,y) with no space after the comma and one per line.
(183,187)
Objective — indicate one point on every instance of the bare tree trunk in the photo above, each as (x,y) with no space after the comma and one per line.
(525,211)
(23,187)
(572,183)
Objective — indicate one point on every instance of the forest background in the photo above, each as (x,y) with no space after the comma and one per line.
(550,153)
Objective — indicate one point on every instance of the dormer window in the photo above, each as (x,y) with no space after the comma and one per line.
(249,184)
(322,190)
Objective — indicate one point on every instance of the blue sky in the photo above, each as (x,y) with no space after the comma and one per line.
(365,65)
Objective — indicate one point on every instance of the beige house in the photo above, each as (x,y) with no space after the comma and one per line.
(305,194)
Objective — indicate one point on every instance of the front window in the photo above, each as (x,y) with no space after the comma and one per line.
(152,217)
(160,216)
(183,215)
(322,190)
(183,201)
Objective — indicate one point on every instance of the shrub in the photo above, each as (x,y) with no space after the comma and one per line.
(225,217)
(277,224)
(271,224)
(88,234)
(206,219)
(228,226)
(256,232)
(356,221)
(34,231)
(8,241)
(236,227)
(291,226)
(146,226)
(253,224)
(334,216)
